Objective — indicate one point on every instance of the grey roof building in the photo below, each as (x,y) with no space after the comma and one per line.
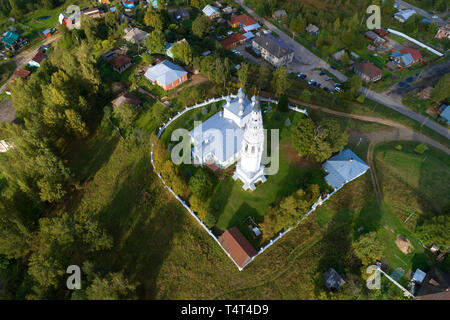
(273,50)
(333,280)
(166,74)
(343,168)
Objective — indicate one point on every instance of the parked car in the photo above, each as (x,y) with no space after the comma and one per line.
(337,84)
(327,89)
(312,82)
(337,89)
(434,17)
(328,79)
(322,73)
(301,76)
(318,85)
(333,67)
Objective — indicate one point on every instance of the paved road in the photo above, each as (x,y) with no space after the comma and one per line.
(389,102)
(400,132)
(422,12)
(308,60)
(23,57)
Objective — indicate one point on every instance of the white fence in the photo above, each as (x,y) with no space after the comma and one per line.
(415,41)
(192,213)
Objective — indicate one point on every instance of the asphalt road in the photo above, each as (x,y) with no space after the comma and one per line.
(305,61)
(423,13)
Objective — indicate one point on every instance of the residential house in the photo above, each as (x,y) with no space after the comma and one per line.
(37,59)
(13,41)
(166,74)
(69,22)
(343,168)
(104,1)
(93,13)
(372,36)
(313,29)
(135,35)
(338,55)
(278,14)
(127,97)
(368,71)
(381,32)
(333,280)
(22,73)
(211,12)
(182,14)
(237,247)
(236,39)
(444,114)
(229,10)
(242,20)
(443,32)
(128,4)
(273,50)
(404,15)
(47,33)
(435,285)
(406,57)
(120,62)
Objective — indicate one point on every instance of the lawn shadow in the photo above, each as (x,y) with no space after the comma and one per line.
(142,229)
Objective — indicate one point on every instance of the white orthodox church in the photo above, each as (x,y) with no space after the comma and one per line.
(235,133)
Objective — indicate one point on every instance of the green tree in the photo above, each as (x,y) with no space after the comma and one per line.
(280,82)
(264,76)
(200,26)
(242,74)
(435,231)
(201,184)
(112,287)
(153,18)
(441,90)
(182,51)
(76,123)
(306,95)
(126,114)
(368,248)
(303,136)
(156,42)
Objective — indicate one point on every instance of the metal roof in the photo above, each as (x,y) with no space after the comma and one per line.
(165,72)
(343,168)
(210,10)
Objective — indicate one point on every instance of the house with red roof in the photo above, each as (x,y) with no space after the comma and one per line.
(236,39)
(368,71)
(37,59)
(237,247)
(242,20)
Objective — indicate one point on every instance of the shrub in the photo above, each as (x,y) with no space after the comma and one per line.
(421,148)
(399,147)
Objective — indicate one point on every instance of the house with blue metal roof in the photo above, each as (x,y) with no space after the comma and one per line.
(445,113)
(343,168)
(402,59)
(167,75)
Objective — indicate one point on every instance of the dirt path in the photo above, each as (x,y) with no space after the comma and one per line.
(196,79)
(23,57)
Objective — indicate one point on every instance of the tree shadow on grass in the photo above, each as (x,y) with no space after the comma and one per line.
(142,226)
